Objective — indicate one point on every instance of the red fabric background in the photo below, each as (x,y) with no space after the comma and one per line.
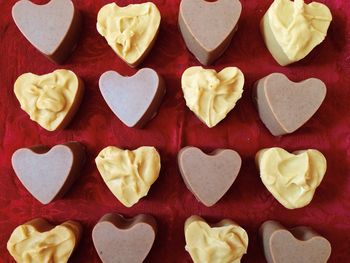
(247,202)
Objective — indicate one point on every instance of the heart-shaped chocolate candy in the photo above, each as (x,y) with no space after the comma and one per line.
(52,99)
(212,95)
(48,173)
(292,29)
(134,100)
(120,240)
(129,174)
(131,30)
(224,242)
(52,28)
(297,245)
(292,178)
(284,106)
(208,177)
(39,241)
(207,27)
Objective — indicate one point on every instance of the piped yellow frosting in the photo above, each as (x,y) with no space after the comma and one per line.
(129,30)
(47,98)
(129,174)
(211,95)
(226,242)
(28,245)
(292,29)
(292,178)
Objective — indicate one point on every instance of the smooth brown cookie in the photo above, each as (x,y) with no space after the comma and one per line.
(48,173)
(135,99)
(297,245)
(52,28)
(283,105)
(120,240)
(208,177)
(208,27)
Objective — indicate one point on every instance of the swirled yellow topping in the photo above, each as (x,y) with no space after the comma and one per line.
(292,28)
(129,174)
(225,242)
(211,95)
(47,98)
(29,244)
(292,178)
(129,30)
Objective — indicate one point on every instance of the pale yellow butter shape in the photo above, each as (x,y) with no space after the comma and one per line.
(291,29)
(129,174)
(225,242)
(47,98)
(28,245)
(211,95)
(292,178)
(129,30)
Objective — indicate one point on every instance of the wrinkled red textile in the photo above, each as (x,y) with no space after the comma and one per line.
(247,202)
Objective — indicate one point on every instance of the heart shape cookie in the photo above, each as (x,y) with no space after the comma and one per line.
(48,173)
(129,174)
(208,177)
(292,178)
(284,106)
(292,29)
(131,30)
(211,95)
(224,242)
(208,27)
(51,100)
(52,28)
(134,100)
(39,241)
(117,239)
(297,245)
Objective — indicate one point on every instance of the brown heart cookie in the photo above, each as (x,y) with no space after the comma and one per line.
(52,28)
(208,177)
(120,240)
(208,27)
(297,245)
(48,173)
(134,100)
(284,106)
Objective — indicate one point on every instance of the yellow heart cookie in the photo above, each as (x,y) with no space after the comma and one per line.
(291,29)
(211,95)
(129,174)
(130,31)
(51,100)
(38,241)
(291,178)
(225,242)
